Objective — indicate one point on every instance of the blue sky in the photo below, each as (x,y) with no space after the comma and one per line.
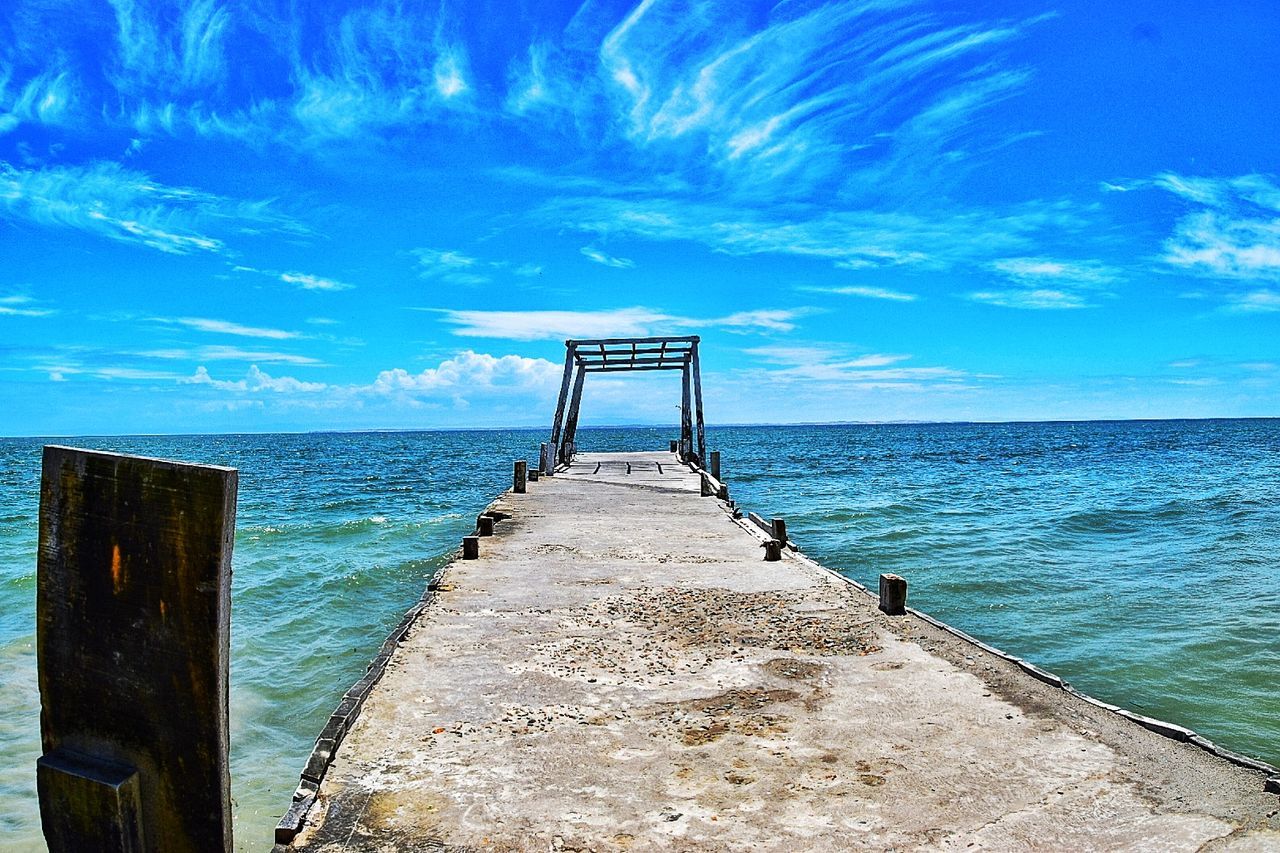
(253,216)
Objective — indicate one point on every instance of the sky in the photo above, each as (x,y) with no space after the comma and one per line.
(259,215)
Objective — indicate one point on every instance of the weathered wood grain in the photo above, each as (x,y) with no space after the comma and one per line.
(133,613)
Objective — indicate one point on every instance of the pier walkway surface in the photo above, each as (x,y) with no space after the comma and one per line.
(621,669)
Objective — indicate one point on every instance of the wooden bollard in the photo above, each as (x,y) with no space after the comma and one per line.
(133,620)
(470,547)
(705,486)
(715,464)
(545,462)
(779,529)
(893,594)
(484,525)
(675,446)
(772,550)
(521,477)
(723,494)
(533,475)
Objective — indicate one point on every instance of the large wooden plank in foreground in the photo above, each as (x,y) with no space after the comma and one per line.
(133,614)
(621,669)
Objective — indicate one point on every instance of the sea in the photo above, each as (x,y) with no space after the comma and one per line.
(1140,560)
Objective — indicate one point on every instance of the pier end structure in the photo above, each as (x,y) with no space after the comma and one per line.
(618,355)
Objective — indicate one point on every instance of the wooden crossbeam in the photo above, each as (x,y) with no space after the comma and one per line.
(642,360)
(671,365)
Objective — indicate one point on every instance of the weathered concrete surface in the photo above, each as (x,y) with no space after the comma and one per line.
(621,670)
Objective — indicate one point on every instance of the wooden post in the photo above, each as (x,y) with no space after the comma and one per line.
(772,551)
(545,462)
(715,465)
(675,445)
(779,530)
(133,607)
(723,494)
(705,487)
(893,594)
(686,415)
(470,547)
(560,402)
(484,525)
(697,405)
(520,477)
(571,420)
(533,475)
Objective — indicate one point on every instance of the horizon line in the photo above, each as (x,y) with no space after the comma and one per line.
(369,430)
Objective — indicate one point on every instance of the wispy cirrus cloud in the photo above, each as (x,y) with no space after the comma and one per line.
(863,291)
(226,327)
(307,281)
(22,306)
(867,371)
(1263,301)
(620,322)
(128,206)
(458,268)
(787,100)
(379,69)
(1040,269)
(1235,235)
(1032,298)
(228,353)
(48,97)
(1048,284)
(607,260)
(848,239)
(158,50)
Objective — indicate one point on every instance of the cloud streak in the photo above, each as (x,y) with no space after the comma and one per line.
(1235,233)
(110,201)
(620,322)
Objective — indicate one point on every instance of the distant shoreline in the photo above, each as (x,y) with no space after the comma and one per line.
(673,426)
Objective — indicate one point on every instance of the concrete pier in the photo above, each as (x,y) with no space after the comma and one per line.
(621,669)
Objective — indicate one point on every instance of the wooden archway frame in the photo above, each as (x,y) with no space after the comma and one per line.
(614,355)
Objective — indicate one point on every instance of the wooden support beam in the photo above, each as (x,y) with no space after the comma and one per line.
(520,477)
(571,420)
(697,406)
(133,608)
(686,414)
(560,402)
(779,526)
(546,462)
(715,465)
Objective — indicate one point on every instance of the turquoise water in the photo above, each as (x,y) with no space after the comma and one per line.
(1135,559)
